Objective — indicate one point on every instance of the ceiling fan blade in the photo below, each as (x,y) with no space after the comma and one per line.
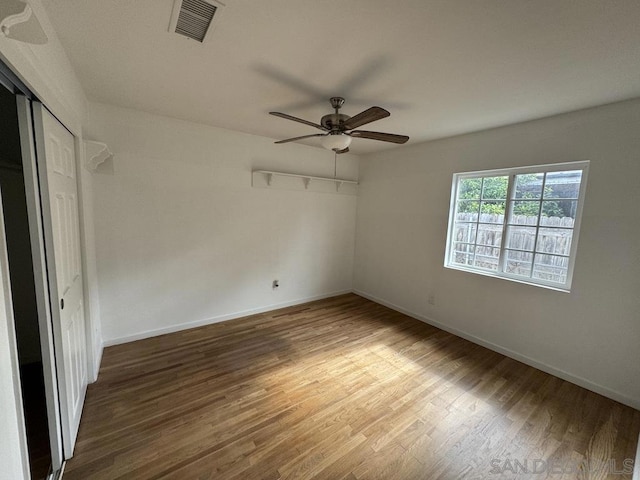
(296,119)
(300,138)
(344,150)
(369,115)
(383,137)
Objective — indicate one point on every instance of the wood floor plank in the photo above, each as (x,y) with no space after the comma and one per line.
(341,388)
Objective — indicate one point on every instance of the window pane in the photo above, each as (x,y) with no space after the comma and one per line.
(465,232)
(525,212)
(492,211)
(521,238)
(559,213)
(495,187)
(469,188)
(490,235)
(563,184)
(487,258)
(551,268)
(467,210)
(462,254)
(528,185)
(554,240)
(518,263)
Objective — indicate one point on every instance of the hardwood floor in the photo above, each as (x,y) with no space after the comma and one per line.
(339,389)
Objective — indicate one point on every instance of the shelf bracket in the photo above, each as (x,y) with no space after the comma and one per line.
(96,153)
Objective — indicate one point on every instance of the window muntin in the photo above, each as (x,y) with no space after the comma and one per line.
(519,223)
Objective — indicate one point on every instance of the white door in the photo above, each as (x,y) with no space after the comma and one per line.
(34,211)
(55,147)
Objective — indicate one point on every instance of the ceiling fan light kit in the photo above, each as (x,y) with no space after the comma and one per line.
(336,141)
(339,128)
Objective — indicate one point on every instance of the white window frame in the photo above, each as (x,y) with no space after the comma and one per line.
(511,173)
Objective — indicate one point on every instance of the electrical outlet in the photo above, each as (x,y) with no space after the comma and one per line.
(431,300)
(275,284)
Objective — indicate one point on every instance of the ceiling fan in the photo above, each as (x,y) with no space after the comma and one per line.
(338,128)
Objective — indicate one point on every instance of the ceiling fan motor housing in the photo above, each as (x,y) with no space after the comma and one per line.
(334,121)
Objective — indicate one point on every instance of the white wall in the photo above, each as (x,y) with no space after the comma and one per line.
(182,237)
(591,335)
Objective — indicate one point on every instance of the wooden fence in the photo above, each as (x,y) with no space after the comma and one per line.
(477,243)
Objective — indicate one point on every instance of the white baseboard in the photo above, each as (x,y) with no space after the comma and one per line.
(220,318)
(582,382)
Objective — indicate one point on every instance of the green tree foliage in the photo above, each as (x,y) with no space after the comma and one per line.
(493,191)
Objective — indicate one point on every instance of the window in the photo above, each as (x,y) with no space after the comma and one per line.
(519,223)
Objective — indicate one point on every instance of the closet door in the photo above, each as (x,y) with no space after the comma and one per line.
(34,211)
(55,147)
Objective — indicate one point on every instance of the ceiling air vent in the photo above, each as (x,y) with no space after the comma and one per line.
(193,18)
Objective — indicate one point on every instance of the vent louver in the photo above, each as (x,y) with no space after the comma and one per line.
(194,18)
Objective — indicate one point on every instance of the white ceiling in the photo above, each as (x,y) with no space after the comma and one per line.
(441,67)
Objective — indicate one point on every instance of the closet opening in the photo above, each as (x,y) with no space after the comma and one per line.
(23,290)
